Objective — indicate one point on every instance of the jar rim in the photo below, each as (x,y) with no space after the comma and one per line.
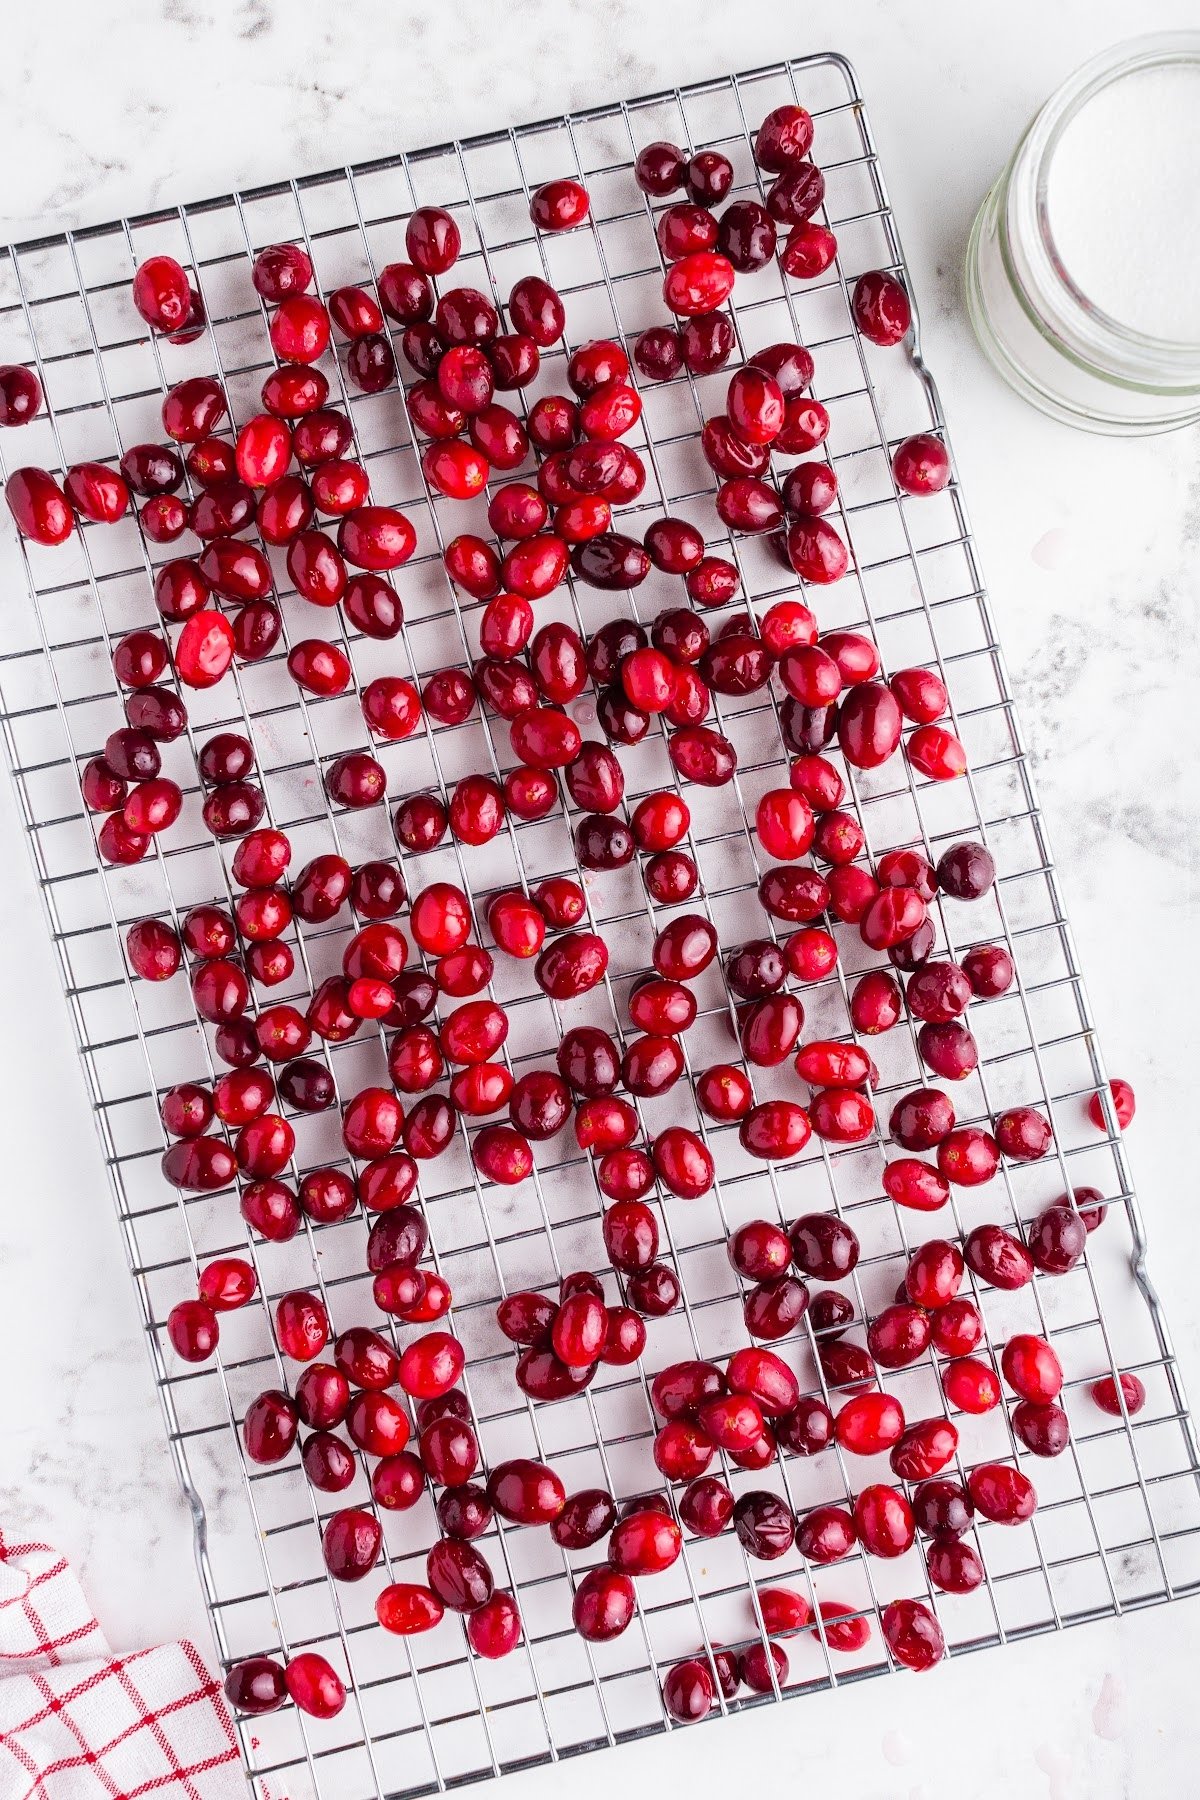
(1091,335)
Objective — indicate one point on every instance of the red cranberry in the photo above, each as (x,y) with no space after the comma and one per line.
(971,1385)
(1031,1368)
(824,1246)
(1044,1430)
(764,1525)
(921,464)
(644,1543)
(774,1130)
(586,1517)
(706,1506)
(968,1156)
(269,1427)
(350,1543)
(826,1534)
(997,1257)
(966,871)
(406,1608)
(899,1335)
(162,293)
(934,1274)
(559,205)
(1124,1105)
(494,1629)
(526,1492)
(957,1327)
(883,1520)
(924,1449)
(193,1330)
(881,308)
(256,1685)
(912,1634)
(604,1605)
(1057,1239)
(20,394)
(1002,1493)
(1129,1397)
(316,1688)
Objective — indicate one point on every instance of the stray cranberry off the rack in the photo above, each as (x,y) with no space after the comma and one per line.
(287,469)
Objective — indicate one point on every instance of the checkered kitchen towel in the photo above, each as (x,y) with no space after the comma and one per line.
(78,1723)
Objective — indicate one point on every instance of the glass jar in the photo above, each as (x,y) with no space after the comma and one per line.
(1083,268)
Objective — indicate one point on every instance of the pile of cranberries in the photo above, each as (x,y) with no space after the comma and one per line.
(555,474)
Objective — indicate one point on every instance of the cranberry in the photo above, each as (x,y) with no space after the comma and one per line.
(1123,1102)
(883,1520)
(525,1492)
(604,1605)
(881,308)
(706,1506)
(1127,1397)
(934,1274)
(957,1327)
(20,394)
(351,1543)
(256,1685)
(784,824)
(154,950)
(571,965)
(774,1130)
(644,1543)
(698,283)
(316,1688)
(755,407)
(966,871)
(269,1427)
(1023,1134)
(193,1330)
(406,1607)
(912,1634)
(96,492)
(585,1518)
(682,1450)
(921,464)
(739,663)
(997,1257)
(329,1465)
(326,1195)
(1044,1430)
(921,1119)
(1002,1493)
(559,205)
(968,1156)
(747,236)
(1057,1239)
(899,1335)
(162,293)
(971,1385)
(459,1575)
(936,753)
(765,1525)
(1031,1368)
(654,1291)
(271,1208)
(824,1246)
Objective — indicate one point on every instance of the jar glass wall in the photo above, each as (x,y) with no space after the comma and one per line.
(1083,268)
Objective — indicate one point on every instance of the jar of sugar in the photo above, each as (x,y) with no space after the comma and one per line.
(1083,270)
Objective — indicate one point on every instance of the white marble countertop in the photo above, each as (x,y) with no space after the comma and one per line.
(1093,553)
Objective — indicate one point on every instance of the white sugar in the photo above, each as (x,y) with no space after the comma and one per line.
(1123,200)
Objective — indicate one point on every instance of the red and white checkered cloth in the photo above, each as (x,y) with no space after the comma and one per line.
(78,1723)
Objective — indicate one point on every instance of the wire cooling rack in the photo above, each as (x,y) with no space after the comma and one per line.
(1119,1521)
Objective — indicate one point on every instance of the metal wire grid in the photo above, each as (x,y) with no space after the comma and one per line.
(1119,1512)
